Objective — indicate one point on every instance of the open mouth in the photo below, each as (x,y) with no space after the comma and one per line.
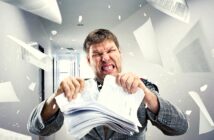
(108,68)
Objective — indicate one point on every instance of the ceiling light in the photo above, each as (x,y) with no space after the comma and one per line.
(80,19)
(109,6)
(119,17)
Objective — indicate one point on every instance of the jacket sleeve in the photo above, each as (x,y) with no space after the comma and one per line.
(37,126)
(169,119)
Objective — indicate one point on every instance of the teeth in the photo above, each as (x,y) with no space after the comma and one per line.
(107,68)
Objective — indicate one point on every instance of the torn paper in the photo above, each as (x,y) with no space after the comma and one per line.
(10,135)
(32,86)
(174,8)
(145,37)
(188,112)
(111,107)
(206,123)
(89,94)
(116,99)
(32,55)
(203,88)
(7,93)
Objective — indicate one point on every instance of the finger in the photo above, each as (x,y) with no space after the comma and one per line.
(75,95)
(72,89)
(123,81)
(129,82)
(76,85)
(135,85)
(59,91)
(142,86)
(118,77)
(82,84)
(65,88)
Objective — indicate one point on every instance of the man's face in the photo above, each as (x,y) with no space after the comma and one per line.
(104,58)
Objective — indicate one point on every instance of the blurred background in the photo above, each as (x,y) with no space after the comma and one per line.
(168,42)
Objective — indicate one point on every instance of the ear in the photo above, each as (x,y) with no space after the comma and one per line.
(88,60)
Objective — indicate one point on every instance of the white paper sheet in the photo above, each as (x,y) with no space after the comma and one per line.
(206,123)
(33,55)
(10,135)
(7,93)
(203,88)
(32,86)
(174,8)
(145,37)
(45,8)
(188,112)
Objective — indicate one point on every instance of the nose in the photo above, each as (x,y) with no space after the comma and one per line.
(105,57)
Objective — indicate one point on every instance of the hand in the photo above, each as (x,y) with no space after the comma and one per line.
(70,86)
(130,82)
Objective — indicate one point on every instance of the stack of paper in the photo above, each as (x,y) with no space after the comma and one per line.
(111,107)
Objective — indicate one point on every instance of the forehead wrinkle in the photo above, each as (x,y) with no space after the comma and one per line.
(100,47)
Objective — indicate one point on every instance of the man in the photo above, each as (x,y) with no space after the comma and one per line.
(104,57)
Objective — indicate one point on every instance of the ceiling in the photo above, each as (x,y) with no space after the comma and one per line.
(95,14)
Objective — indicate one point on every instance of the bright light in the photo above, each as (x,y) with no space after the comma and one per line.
(119,17)
(80,19)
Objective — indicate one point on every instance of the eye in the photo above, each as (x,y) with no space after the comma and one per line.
(111,50)
(96,54)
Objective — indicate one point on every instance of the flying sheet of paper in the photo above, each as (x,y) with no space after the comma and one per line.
(32,86)
(206,123)
(33,55)
(203,88)
(10,135)
(174,8)
(145,37)
(45,8)
(7,93)
(188,112)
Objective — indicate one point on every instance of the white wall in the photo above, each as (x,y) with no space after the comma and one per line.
(173,83)
(26,27)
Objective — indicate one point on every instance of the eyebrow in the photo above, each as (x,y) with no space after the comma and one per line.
(96,51)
